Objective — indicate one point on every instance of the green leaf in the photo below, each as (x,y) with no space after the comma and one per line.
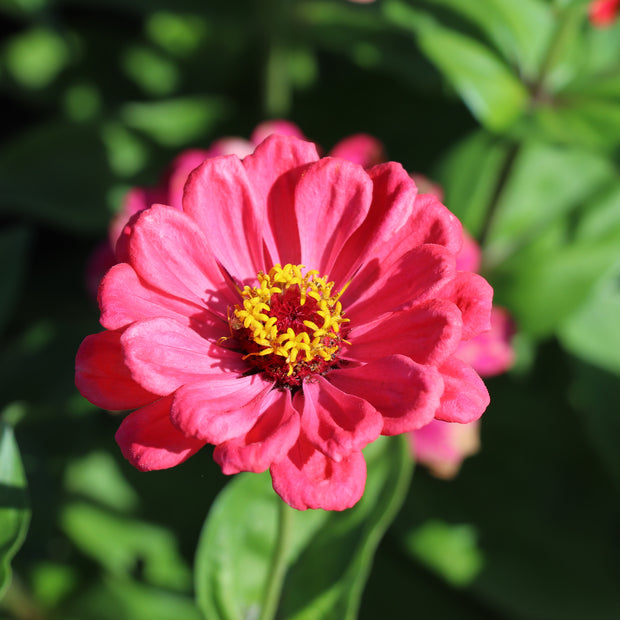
(546,183)
(495,96)
(14,246)
(14,511)
(520,30)
(548,286)
(115,598)
(469,175)
(120,543)
(330,554)
(57,174)
(593,332)
(175,122)
(448,550)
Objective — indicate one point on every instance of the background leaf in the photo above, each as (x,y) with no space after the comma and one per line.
(14,511)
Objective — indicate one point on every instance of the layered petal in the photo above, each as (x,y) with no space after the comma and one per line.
(102,377)
(267,442)
(411,279)
(406,394)
(332,199)
(465,396)
(473,295)
(306,478)
(163,354)
(335,422)
(149,441)
(219,408)
(392,205)
(220,199)
(124,299)
(169,252)
(428,334)
(273,171)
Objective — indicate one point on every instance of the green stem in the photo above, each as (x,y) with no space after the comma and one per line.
(278,563)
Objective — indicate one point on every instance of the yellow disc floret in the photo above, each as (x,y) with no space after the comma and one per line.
(290,323)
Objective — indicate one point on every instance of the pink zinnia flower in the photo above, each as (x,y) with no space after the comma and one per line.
(442,446)
(295,310)
(602,13)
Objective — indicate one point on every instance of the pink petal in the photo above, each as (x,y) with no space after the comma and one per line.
(465,396)
(102,377)
(427,333)
(136,200)
(473,295)
(443,446)
(273,171)
(336,423)
(124,299)
(169,252)
(408,279)
(380,235)
(332,199)
(219,408)
(163,354)
(490,353)
(432,222)
(306,478)
(470,256)
(220,199)
(278,126)
(360,148)
(149,441)
(267,442)
(179,172)
(406,394)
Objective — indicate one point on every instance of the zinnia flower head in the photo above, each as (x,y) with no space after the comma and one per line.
(293,311)
(602,13)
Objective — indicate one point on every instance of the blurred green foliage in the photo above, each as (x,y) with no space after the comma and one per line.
(514,107)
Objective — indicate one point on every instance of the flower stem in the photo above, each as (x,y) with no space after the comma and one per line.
(277,570)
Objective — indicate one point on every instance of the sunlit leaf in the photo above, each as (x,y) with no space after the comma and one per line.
(176,121)
(14,511)
(35,57)
(448,550)
(520,30)
(491,91)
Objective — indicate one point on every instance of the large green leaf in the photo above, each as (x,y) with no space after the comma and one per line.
(469,175)
(329,556)
(14,511)
(546,183)
(593,331)
(493,93)
(520,30)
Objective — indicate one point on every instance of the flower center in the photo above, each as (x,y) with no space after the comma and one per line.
(289,325)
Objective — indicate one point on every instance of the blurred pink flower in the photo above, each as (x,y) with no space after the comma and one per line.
(602,13)
(293,311)
(443,446)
